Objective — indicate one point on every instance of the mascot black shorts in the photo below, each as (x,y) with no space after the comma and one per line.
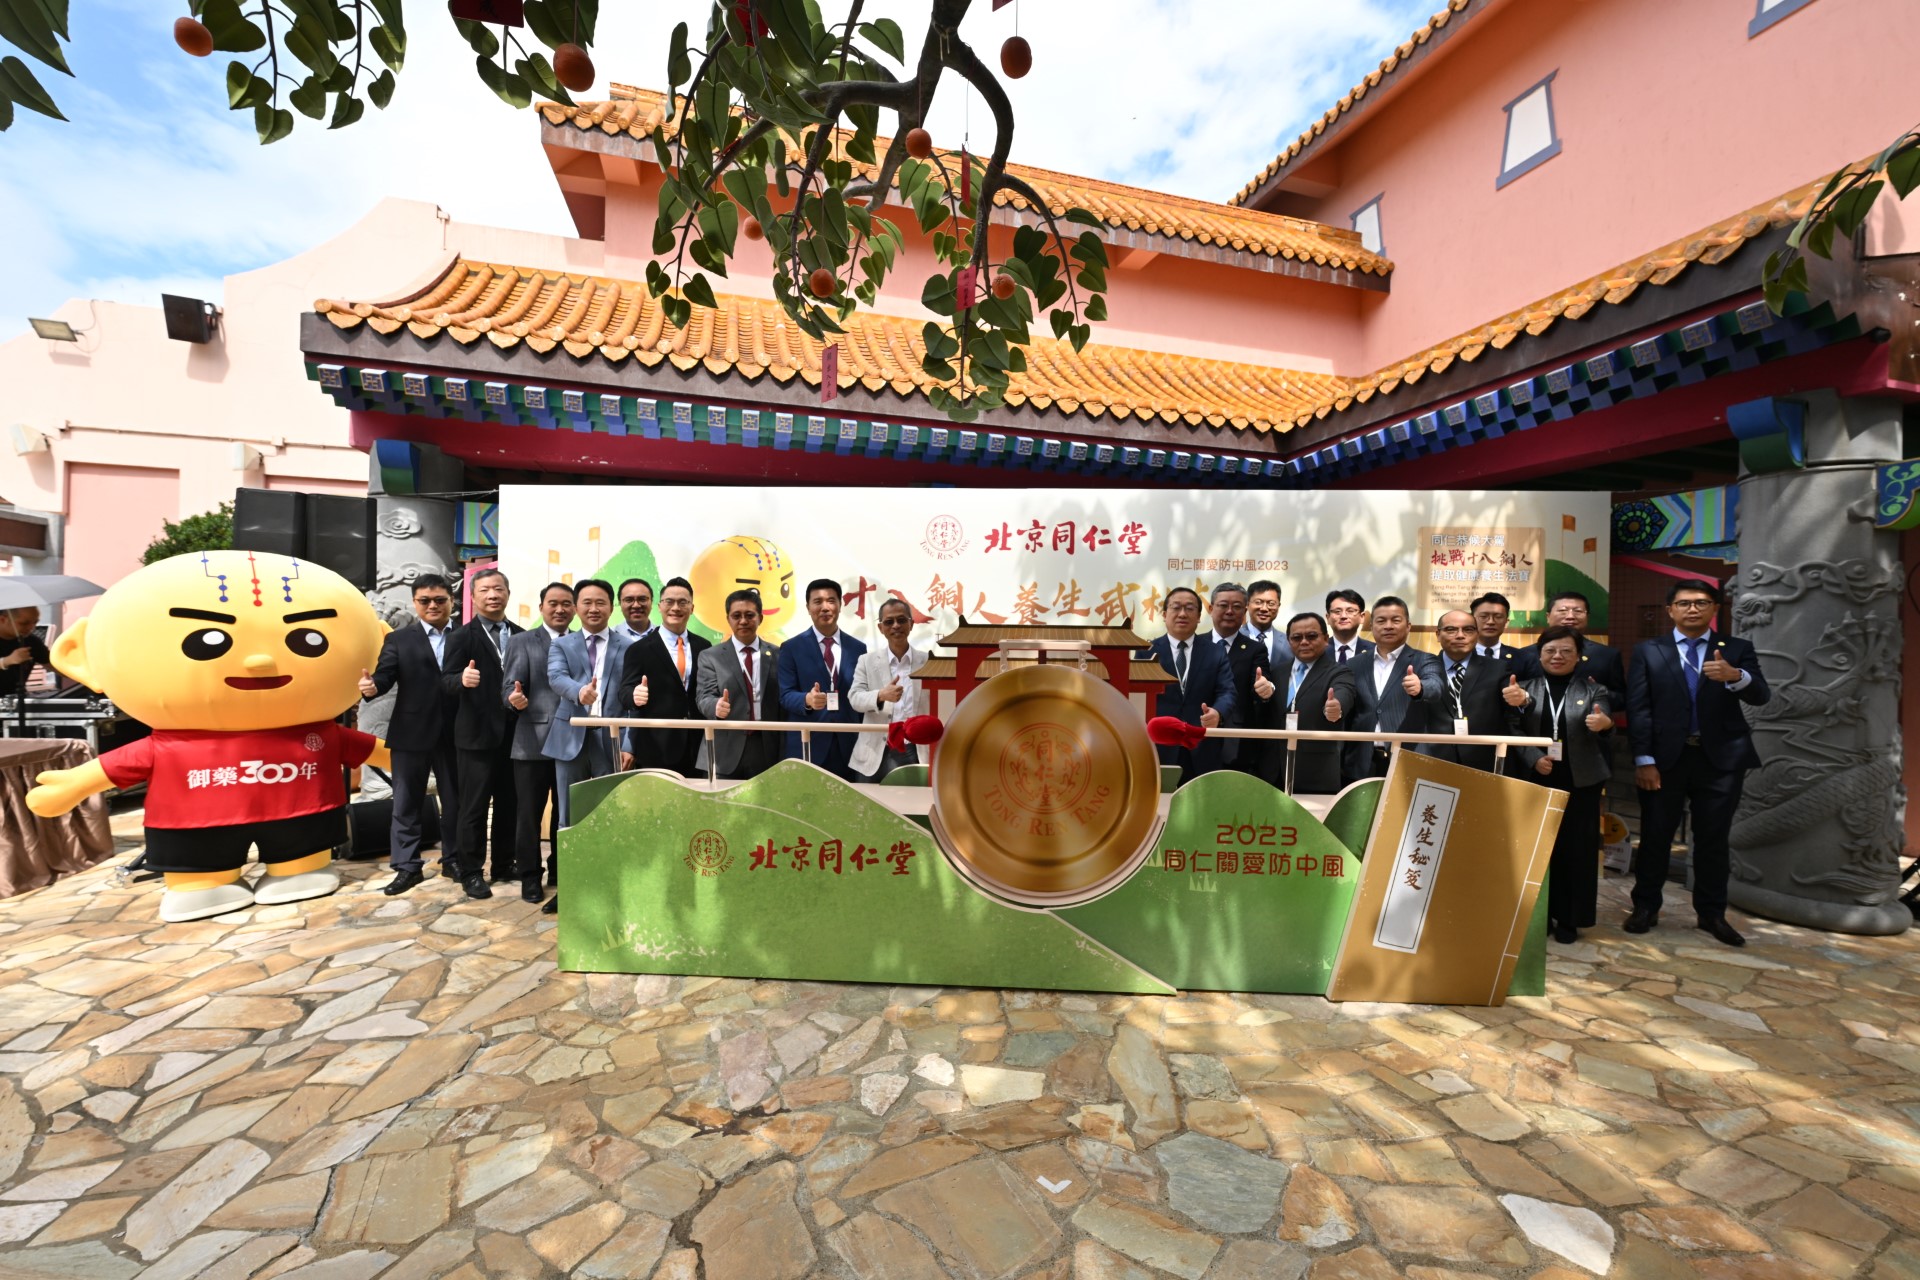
(224,848)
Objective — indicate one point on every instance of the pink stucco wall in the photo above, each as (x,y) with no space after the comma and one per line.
(1670,119)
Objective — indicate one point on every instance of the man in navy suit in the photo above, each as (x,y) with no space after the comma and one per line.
(816,670)
(1396,685)
(1691,751)
(1490,614)
(584,668)
(1598,661)
(420,735)
(1346,609)
(1202,690)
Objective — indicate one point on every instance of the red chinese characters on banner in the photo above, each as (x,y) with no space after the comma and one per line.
(1069,537)
(1252,849)
(831,855)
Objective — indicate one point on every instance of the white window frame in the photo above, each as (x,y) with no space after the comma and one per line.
(1546,153)
(1764,17)
(1379,228)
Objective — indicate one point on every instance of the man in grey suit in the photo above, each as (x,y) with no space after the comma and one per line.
(739,679)
(584,669)
(524,687)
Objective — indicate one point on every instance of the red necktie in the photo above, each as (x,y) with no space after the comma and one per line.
(746,660)
(826,653)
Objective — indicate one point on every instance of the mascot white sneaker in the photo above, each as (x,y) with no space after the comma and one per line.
(238,661)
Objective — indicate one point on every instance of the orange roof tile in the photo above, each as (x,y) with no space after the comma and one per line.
(1714,244)
(638,112)
(1354,96)
(751,337)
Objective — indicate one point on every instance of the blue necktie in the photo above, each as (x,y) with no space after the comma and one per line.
(1293,686)
(1691,663)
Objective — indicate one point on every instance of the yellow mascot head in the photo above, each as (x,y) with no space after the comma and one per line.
(742,563)
(226,640)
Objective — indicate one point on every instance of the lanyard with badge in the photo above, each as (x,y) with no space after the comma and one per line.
(1293,695)
(1556,751)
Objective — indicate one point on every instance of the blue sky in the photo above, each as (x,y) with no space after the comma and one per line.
(155,187)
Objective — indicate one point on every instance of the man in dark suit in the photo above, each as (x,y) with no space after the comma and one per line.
(420,734)
(527,692)
(1396,685)
(1691,751)
(739,679)
(1490,614)
(1254,706)
(21,650)
(1202,690)
(1346,610)
(816,670)
(657,681)
(1469,693)
(1318,693)
(483,728)
(1598,661)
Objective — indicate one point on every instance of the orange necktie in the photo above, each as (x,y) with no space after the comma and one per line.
(680,659)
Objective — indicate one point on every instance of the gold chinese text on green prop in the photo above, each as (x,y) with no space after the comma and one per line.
(797,875)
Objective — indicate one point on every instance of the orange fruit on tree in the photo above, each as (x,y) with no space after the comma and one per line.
(1016,57)
(192,35)
(823,282)
(919,144)
(573,68)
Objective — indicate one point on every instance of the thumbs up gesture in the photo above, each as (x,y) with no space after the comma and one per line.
(816,700)
(640,693)
(1718,668)
(367,688)
(723,709)
(1332,710)
(1598,721)
(1411,682)
(470,678)
(890,692)
(1262,687)
(1513,695)
(518,698)
(1209,718)
(590,692)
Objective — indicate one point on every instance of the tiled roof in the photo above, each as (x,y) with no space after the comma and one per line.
(1354,96)
(1662,266)
(613,320)
(637,112)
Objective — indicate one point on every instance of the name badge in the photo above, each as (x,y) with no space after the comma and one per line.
(1293,720)
(1556,751)
(1460,729)
(833,702)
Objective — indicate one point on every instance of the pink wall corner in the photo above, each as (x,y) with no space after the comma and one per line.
(1670,119)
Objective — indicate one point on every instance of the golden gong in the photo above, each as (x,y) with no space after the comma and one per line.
(1046,787)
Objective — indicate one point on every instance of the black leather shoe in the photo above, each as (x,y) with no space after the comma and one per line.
(401,882)
(553,906)
(1642,920)
(476,886)
(1566,935)
(1722,931)
(530,890)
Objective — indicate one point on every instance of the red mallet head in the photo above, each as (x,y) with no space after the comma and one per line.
(917,730)
(1168,731)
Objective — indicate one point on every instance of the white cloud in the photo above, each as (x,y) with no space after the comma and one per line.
(154,185)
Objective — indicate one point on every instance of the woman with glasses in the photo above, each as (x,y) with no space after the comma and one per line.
(883,690)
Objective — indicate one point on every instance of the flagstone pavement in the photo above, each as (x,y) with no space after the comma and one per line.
(407,1088)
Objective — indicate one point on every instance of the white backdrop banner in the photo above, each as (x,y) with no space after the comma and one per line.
(1059,556)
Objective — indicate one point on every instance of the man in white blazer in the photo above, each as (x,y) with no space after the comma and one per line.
(884,690)
(739,679)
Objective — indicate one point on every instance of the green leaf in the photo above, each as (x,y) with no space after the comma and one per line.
(6,112)
(391,44)
(1028,242)
(678,311)
(538,72)
(679,63)
(391,14)
(1089,249)
(512,90)
(17,83)
(1819,239)
(231,32)
(479,35)
(700,293)
(884,35)
(1084,218)
(658,281)
(310,99)
(272,124)
(1078,336)
(1096,308)
(1851,209)
(1903,170)
(1061,319)
(244,89)
(308,43)
(939,369)
(346,110)
(56,12)
(380,89)
(31,30)
(937,295)
(940,344)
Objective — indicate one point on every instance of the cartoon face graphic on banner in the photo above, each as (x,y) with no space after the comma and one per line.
(745,563)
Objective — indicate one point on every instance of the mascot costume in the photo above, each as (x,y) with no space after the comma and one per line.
(238,661)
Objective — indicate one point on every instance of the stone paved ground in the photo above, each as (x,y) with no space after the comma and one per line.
(361,1087)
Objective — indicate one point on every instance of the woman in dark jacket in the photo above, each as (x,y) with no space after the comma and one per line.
(1576,713)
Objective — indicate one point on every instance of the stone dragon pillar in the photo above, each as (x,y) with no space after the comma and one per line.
(1820,828)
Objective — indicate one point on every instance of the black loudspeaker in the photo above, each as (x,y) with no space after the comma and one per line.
(270,520)
(340,536)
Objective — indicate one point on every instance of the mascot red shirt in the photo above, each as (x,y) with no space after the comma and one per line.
(238,660)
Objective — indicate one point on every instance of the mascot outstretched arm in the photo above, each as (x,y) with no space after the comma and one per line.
(238,661)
